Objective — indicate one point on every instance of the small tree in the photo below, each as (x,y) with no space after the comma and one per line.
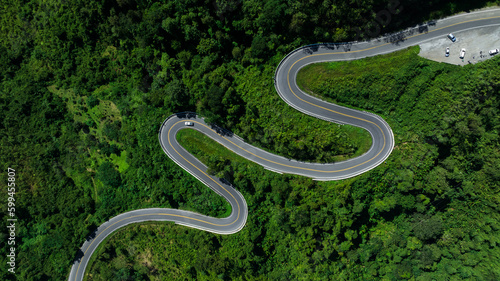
(108,175)
(427,228)
(92,101)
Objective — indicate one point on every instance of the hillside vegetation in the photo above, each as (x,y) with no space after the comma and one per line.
(85,85)
(429,213)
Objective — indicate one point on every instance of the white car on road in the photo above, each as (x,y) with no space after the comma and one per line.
(493,52)
(187,123)
(462,53)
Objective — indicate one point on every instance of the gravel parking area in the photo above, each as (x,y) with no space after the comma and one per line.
(474,41)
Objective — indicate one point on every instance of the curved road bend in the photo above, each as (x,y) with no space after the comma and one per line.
(382,145)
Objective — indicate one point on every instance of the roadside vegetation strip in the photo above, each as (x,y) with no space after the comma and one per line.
(346,71)
(211,153)
(202,147)
(338,79)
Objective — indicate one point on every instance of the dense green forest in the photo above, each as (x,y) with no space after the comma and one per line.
(431,212)
(85,86)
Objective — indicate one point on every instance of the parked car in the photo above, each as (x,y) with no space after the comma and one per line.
(447,53)
(452,38)
(493,52)
(187,123)
(462,53)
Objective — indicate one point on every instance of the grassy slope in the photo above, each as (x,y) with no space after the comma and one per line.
(202,146)
(313,76)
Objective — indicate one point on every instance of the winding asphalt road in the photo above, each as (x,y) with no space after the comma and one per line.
(285,83)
